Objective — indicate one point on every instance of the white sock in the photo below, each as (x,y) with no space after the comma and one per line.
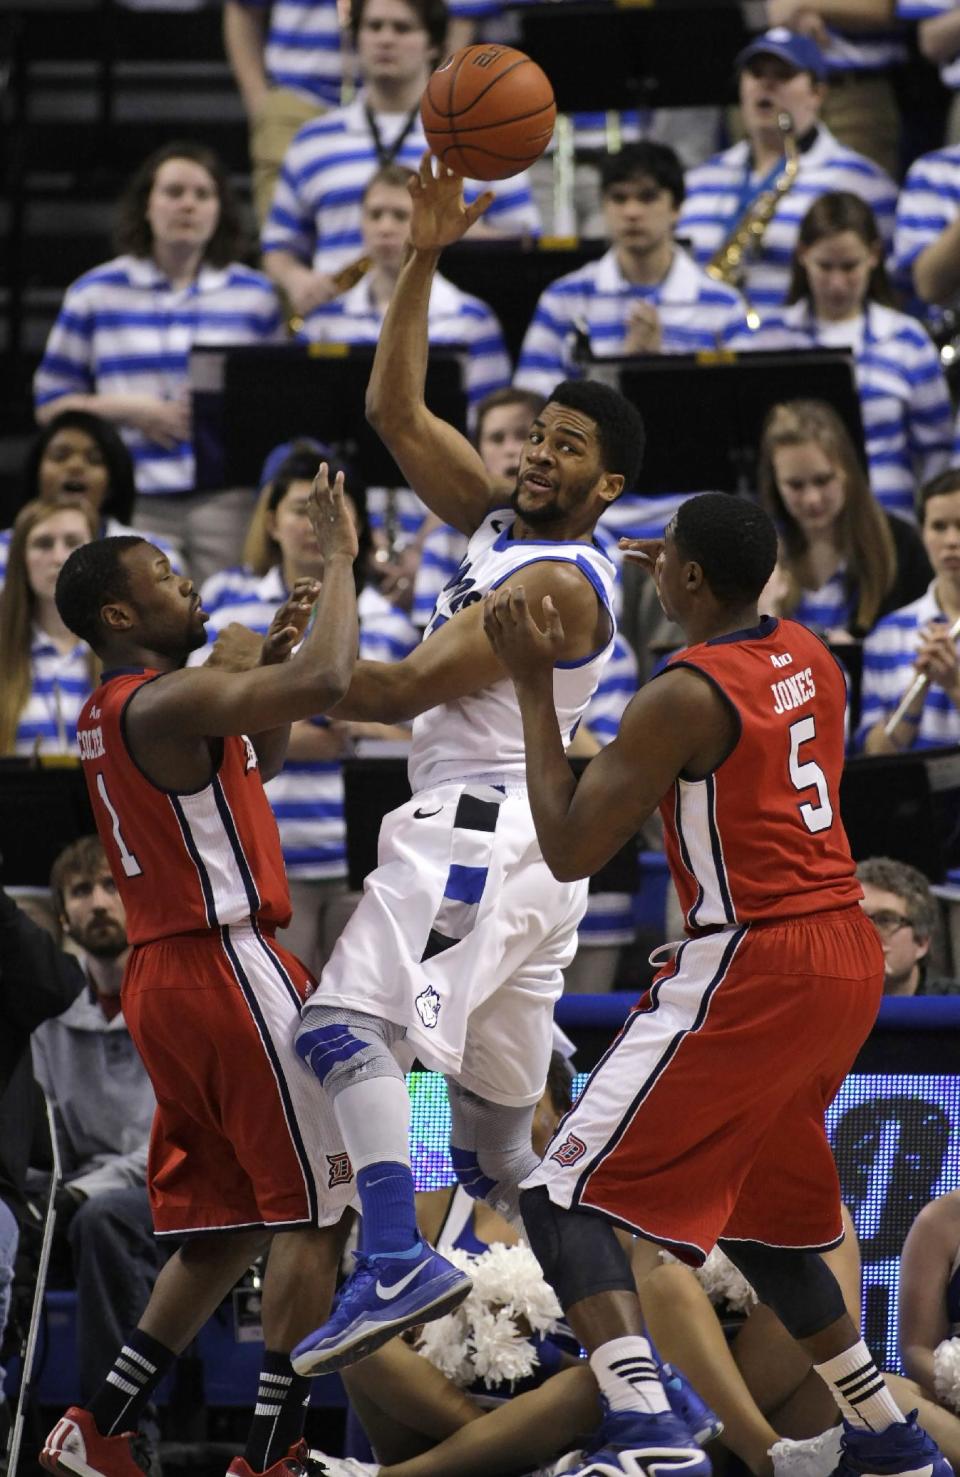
(626,1372)
(374,1117)
(860,1389)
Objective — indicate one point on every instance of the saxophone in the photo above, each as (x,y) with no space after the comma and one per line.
(728,263)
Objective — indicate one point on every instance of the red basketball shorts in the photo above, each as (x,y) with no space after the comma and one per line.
(243,1134)
(705,1118)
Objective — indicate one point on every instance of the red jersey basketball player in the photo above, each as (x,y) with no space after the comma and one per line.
(239,1150)
(704,1122)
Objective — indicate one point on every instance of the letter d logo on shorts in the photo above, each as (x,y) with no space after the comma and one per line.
(570,1151)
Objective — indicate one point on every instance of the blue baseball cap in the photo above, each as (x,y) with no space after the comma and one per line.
(800,52)
(279,454)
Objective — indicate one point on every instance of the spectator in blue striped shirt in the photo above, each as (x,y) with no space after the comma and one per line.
(844,561)
(47,673)
(307,794)
(120,347)
(644,296)
(926,246)
(453,317)
(839,297)
(780,72)
(314,226)
(81,455)
(860,46)
(917,640)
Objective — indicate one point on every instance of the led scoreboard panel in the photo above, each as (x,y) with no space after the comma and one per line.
(894,1127)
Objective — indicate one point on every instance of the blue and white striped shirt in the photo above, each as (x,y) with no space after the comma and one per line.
(904,399)
(316,211)
(307,794)
(829,608)
(441,557)
(453,317)
(695,313)
(929,202)
(303,48)
(60,685)
(123,330)
(715,191)
(888,670)
(863,51)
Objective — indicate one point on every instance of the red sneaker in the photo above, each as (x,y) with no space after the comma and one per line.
(75,1445)
(298,1462)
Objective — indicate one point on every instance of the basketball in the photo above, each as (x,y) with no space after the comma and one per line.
(488,112)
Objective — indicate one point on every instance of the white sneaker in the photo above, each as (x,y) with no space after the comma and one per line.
(815,1457)
(343,1466)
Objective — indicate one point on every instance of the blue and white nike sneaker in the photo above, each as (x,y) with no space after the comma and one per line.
(902,1450)
(702,1423)
(383,1296)
(631,1444)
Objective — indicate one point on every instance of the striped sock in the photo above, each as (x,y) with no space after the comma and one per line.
(279,1414)
(860,1389)
(627,1374)
(137,1371)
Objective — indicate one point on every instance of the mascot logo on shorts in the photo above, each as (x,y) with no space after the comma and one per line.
(569,1151)
(341,1170)
(428,1007)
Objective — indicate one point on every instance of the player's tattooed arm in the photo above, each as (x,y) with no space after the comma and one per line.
(437,461)
(675,725)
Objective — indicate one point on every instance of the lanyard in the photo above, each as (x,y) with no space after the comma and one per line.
(385,154)
(749,192)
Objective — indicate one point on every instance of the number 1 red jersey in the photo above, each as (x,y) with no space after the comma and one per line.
(181,861)
(761,837)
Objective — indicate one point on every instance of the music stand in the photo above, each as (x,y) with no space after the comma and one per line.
(41,812)
(704,413)
(250,399)
(679,54)
(511,275)
(904,806)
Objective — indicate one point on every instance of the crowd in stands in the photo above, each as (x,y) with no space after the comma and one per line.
(861,252)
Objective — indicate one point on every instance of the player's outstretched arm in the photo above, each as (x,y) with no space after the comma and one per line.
(457,660)
(668,727)
(208,702)
(437,461)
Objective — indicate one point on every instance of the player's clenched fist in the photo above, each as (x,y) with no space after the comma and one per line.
(332,519)
(522,646)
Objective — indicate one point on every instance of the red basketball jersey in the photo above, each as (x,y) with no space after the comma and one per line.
(761,837)
(181,861)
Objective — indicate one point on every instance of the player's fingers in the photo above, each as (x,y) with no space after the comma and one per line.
(482,203)
(552,624)
(426,167)
(491,616)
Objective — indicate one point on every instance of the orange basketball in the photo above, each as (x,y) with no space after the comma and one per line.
(488,112)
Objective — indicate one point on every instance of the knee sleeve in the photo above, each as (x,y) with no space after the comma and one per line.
(491,1149)
(342,1047)
(797,1285)
(579,1253)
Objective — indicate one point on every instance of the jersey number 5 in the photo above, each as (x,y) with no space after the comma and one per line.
(131,866)
(808,776)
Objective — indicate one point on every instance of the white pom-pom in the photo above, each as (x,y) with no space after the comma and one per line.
(723,1283)
(816,1457)
(488,1336)
(946,1373)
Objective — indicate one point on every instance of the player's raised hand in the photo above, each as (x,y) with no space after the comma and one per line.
(523,647)
(440,215)
(642,551)
(332,520)
(236,649)
(290,622)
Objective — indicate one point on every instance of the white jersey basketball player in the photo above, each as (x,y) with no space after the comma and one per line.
(456,952)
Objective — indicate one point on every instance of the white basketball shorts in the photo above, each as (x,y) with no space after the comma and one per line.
(462,936)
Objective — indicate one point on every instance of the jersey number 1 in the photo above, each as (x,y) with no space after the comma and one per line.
(808,776)
(131,866)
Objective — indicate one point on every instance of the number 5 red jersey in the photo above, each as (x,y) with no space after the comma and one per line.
(761,837)
(182,861)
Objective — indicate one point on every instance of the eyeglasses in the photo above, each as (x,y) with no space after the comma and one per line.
(887,923)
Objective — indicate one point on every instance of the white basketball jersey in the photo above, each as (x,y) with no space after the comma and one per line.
(482,735)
